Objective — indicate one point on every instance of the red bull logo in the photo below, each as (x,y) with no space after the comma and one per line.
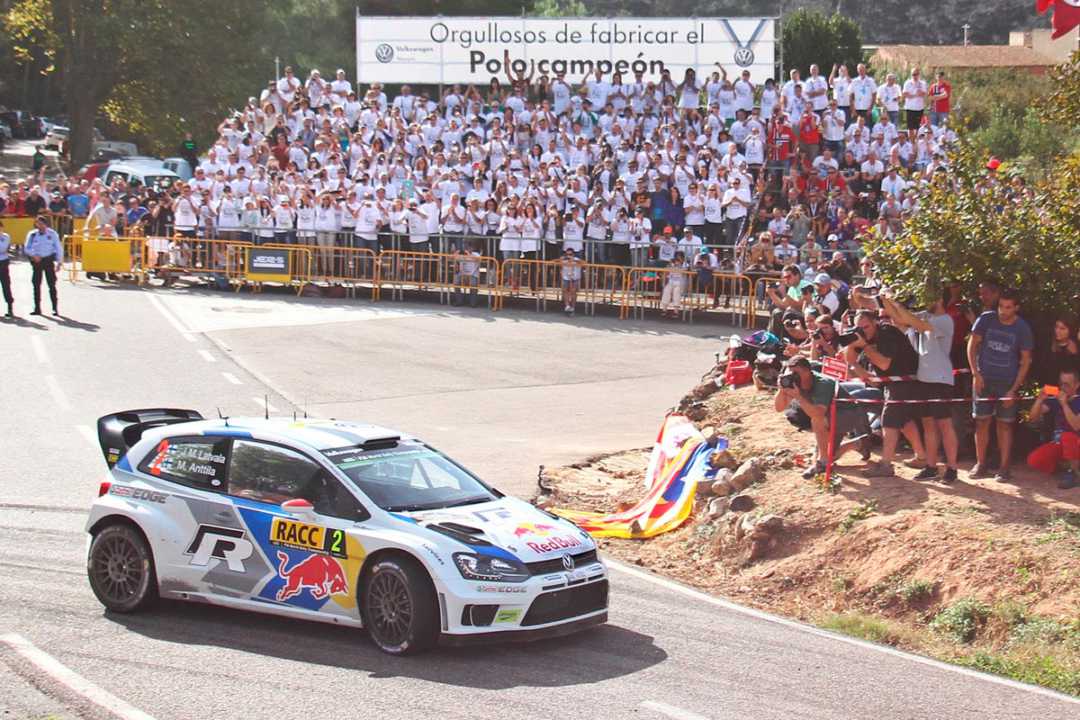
(554,544)
(322,575)
(539,529)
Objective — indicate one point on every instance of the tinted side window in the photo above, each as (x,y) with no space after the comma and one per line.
(273,474)
(198,462)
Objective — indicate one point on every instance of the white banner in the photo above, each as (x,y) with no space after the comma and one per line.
(471,50)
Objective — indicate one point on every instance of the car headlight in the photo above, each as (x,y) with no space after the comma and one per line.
(491,569)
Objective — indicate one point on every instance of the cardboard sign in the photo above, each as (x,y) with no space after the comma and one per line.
(834,368)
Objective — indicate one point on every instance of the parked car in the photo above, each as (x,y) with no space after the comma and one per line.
(142,173)
(116,146)
(55,137)
(180,166)
(5,130)
(22,124)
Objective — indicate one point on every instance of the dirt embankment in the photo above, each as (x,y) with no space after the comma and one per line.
(895,548)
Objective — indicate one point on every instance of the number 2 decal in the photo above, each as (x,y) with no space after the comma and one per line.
(337,543)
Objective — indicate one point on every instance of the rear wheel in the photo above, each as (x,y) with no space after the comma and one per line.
(399,608)
(121,569)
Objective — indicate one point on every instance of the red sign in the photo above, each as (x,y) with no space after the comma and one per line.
(1066,14)
(834,368)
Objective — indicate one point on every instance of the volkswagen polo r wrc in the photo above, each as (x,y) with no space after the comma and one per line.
(330,521)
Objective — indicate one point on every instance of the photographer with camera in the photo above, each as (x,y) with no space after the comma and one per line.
(1062,404)
(787,297)
(813,394)
(889,353)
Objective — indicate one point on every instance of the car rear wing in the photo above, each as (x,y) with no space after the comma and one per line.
(119,431)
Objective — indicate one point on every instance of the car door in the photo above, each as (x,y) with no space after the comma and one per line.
(200,543)
(314,559)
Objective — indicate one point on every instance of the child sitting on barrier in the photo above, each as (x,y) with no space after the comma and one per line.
(466,274)
(674,287)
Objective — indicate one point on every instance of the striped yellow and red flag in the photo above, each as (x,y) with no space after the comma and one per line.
(679,460)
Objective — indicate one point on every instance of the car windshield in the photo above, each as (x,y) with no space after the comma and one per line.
(409,476)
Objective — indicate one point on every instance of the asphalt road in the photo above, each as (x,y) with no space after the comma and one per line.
(502,392)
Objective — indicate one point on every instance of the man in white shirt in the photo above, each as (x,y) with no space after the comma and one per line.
(915,94)
(832,128)
(736,203)
(340,88)
(816,89)
(287,87)
(889,97)
(863,91)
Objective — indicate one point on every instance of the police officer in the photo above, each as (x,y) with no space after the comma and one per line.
(47,255)
(5,277)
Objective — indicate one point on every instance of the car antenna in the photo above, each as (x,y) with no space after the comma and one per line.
(305,408)
(266,407)
(223,417)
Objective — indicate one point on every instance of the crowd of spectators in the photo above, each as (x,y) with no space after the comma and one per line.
(627,170)
(912,370)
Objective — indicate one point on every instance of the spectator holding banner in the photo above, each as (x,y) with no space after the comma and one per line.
(999,352)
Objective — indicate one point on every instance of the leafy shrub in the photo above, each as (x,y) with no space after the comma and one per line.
(961,620)
(915,590)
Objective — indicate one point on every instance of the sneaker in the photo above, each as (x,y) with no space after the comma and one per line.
(949,477)
(1003,475)
(880,470)
(915,463)
(1067,481)
(927,473)
(813,471)
(978,472)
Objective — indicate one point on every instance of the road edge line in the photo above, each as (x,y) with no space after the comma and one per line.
(71,679)
(794,624)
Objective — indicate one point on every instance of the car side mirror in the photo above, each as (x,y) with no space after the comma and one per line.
(299,508)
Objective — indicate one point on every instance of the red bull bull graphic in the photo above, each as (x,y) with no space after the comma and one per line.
(322,575)
(538,529)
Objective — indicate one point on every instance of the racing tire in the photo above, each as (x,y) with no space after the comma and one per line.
(399,606)
(120,567)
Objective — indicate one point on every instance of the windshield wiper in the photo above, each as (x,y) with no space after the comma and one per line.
(468,501)
(406,508)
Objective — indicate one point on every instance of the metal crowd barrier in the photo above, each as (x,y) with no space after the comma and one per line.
(454,277)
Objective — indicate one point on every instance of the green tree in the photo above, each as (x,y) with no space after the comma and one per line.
(558,8)
(809,37)
(970,227)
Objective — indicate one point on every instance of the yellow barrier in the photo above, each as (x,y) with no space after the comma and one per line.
(275,263)
(18,228)
(731,287)
(170,258)
(348,267)
(444,273)
(647,288)
(523,277)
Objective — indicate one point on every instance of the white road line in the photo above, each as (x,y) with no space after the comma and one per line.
(205,355)
(232,378)
(72,680)
(88,433)
(760,615)
(58,394)
(39,349)
(264,403)
(671,711)
(172,319)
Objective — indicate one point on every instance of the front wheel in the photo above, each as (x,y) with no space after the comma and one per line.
(399,607)
(121,569)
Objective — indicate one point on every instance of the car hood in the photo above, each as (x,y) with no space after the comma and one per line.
(509,524)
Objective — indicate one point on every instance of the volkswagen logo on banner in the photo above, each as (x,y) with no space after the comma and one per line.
(384,52)
(744,57)
(568,561)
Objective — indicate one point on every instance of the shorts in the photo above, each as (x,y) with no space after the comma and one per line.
(934,410)
(993,388)
(897,415)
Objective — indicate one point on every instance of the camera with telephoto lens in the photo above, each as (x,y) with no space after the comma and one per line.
(789,381)
(846,339)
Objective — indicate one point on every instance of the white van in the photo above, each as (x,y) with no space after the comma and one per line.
(144,173)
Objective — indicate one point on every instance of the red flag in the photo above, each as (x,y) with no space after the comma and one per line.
(1066,14)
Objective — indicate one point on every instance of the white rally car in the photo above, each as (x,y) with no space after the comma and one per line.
(330,521)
